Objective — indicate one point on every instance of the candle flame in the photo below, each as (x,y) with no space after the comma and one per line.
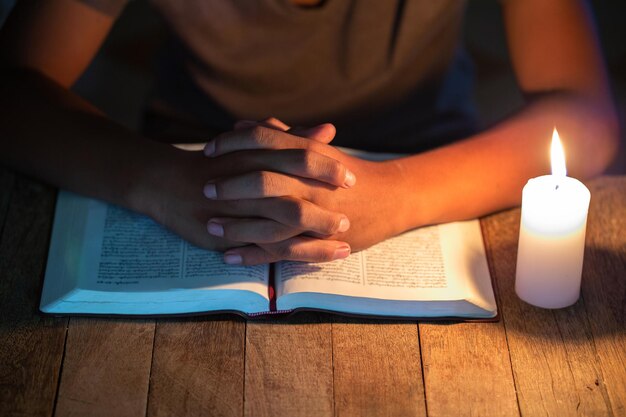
(557,156)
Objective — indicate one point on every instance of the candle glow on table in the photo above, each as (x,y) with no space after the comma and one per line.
(552,236)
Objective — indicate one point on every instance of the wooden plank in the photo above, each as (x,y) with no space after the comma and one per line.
(552,376)
(377,369)
(604,284)
(595,400)
(457,357)
(289,367)
(106,369)
(198,368)
(467,371)
(31,345)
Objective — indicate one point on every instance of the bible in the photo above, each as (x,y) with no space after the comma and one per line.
(104,259)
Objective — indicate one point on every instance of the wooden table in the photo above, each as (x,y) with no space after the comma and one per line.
(533,362)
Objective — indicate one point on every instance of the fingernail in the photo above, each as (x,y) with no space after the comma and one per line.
(209,148)
(215,229)
(210,191)
(232,259)
(341,252)
(344,224)
(350,178)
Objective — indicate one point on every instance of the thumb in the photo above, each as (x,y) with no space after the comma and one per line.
(271,122)
(321,133)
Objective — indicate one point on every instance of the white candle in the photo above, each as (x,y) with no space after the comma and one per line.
(552,236)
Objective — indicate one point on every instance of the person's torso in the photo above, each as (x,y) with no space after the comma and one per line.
(369,66)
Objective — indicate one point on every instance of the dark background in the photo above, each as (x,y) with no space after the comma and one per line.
(120,77)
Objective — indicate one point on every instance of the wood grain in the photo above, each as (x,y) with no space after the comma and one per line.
(467,371)
(198,368)
(565,362)
(552,376)
(377,369)
(289,368)
(106,368)
(604,284)
(31,346)
(456,359)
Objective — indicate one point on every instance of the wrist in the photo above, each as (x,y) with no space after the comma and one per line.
(152,177)
(407,209)
(393,205)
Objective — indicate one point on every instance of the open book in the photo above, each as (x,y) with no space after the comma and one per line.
(106,260)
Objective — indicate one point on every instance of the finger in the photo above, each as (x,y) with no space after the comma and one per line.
(260,184)
(275,123)
(289,211)
(297,248)
(244,124)
(297,162)
(250,230)
(270,122)
(322,133)
(260,137)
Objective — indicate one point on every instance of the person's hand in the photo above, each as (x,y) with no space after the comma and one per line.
(275,222)
(370,203)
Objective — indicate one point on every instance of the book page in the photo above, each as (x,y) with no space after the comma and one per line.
(437,271)
(407,267)
(131,252)
(411,260)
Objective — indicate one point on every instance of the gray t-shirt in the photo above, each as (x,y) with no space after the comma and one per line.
(390,74)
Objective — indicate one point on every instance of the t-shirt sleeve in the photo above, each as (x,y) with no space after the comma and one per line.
(110,7)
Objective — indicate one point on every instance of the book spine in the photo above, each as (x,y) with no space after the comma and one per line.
(269,313)
(271,289)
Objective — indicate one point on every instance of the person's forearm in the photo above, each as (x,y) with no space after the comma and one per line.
(50,133)
(487,172)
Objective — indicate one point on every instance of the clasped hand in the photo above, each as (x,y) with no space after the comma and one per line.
(275,193)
